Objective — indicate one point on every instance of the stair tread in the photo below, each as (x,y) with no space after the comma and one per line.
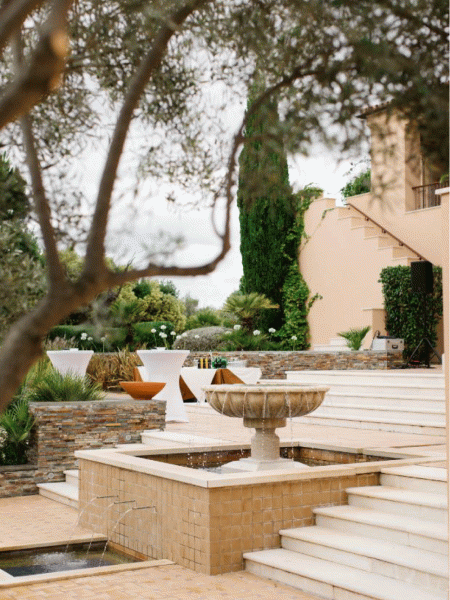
(387,419)
(405,409)
(341,576)
(396,494)
(381,396)
(422,560)
(367,516)
(418,472)
(61,488)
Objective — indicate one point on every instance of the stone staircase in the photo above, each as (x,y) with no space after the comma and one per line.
(403,401)
(65,492)
(375,239)
(389,543)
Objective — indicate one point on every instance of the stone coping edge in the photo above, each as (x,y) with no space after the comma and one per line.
(206,479)
(75,574)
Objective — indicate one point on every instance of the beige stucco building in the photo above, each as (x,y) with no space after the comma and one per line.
(397,222)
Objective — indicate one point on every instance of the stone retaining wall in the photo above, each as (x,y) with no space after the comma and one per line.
(274,364)
(63,427)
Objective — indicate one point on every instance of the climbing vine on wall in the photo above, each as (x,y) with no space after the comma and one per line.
(296,294)
(406,312)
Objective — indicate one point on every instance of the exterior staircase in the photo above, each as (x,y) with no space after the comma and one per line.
(65,492)
(374,239)
(389,543)
(402,401)
(378,238)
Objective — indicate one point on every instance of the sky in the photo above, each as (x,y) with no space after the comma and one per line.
(131,233)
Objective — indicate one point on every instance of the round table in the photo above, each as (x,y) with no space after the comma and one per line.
(70,361)
(165,366)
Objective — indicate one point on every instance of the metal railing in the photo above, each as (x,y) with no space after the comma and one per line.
(384,230)
(425,197)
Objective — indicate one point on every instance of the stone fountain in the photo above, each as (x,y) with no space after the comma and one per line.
(265,408)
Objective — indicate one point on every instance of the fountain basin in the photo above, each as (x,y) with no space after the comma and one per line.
(265,408)
(255,403)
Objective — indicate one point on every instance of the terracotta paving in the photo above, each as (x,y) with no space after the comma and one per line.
(35,520)
(158,583)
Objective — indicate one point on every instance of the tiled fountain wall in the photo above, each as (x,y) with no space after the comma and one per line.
(63,427)
(206,529)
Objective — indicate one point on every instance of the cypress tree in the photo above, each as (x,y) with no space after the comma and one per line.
(266,208)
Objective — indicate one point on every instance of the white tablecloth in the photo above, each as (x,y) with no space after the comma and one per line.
(70,361)
(196,378)
(165,365)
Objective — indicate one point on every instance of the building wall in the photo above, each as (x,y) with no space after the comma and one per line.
(396,167)
(344,268)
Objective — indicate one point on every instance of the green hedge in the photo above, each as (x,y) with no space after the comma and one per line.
(86,337)
(405,309)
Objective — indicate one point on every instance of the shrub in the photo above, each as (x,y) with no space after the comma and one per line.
(16,424)
(205,317)
(241,339)
(355,337)
(200,340)
(107,370)
(88,337)
(406,314)
(55,387)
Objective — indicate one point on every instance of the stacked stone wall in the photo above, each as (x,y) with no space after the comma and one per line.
(275,364)
(61,428)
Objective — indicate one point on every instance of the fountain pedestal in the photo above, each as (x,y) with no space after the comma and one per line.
(264,408)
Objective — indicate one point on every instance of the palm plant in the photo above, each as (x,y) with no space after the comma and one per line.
(247,307)
(355,337)
(16,423)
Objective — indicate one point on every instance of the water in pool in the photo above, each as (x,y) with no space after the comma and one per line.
(54,560)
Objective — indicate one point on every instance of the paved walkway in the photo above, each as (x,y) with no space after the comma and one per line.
(35,520)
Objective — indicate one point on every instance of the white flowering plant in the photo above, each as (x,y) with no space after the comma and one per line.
(239,339)
(159,334)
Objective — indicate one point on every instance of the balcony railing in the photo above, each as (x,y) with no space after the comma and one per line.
(425,197)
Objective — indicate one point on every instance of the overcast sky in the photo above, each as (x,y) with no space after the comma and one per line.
(201,243)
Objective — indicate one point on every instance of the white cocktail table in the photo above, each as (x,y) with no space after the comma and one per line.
(70,361)
(165,366)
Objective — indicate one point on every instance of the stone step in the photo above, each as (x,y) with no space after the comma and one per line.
(380,398)
(416,567)
(398,379)
(329,580)
(62,492)
(329,348)
(72,477)
(398,529)
(384,413)
(389,388)
(376,425)
(412,503)
(338,341)
(419,478)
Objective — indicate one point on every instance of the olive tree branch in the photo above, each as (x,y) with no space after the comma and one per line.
(43,72)
(95,253)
